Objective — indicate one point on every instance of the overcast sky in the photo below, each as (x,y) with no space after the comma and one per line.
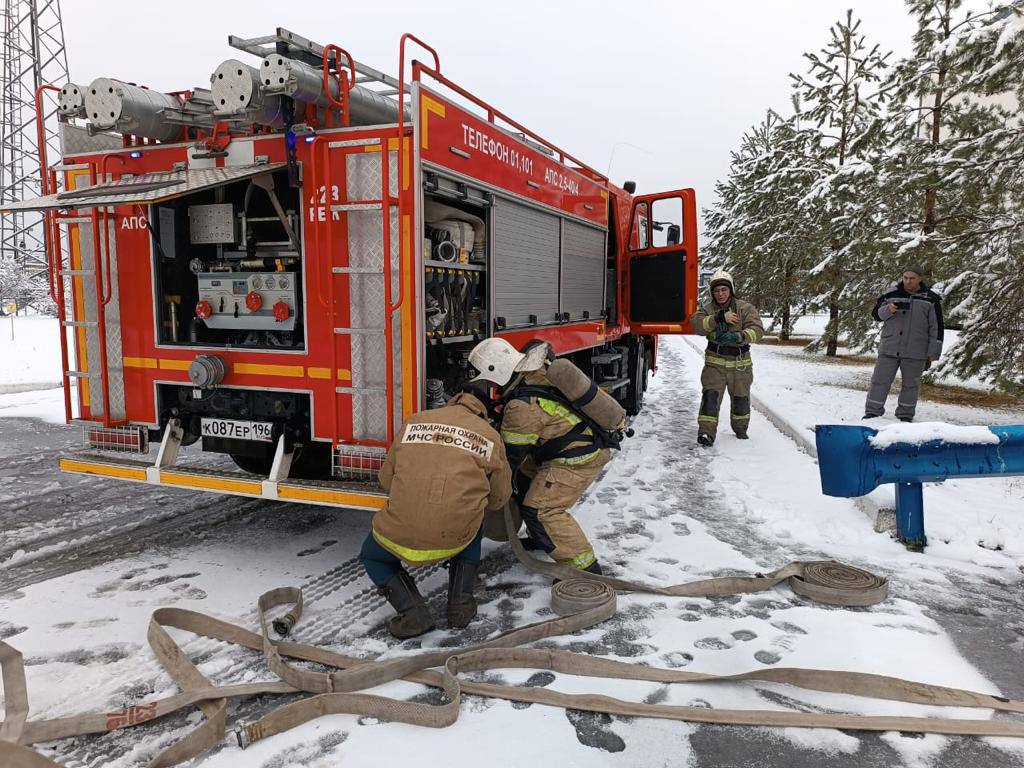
(680,80)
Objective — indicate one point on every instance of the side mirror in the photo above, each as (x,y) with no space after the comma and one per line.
(673,234)
(629,186)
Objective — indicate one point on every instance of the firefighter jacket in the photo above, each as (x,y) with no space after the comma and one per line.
(444,469)
(710,318)
(915,330)
(531,422)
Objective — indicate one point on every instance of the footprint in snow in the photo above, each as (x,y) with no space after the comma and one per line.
(712,644)
(677,659)
(791,629)
(780,646)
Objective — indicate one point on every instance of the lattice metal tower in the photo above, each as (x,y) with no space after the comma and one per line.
(33,54)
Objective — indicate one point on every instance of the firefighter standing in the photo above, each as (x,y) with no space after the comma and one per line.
(731,325)
(553,454)
(447,466)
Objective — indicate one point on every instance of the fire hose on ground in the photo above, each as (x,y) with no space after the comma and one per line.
(580,600)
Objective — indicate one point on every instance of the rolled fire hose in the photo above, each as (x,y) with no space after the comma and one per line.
(580,602)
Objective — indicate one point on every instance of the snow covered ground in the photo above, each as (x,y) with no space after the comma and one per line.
(979,520)
(32,357)
(84,561)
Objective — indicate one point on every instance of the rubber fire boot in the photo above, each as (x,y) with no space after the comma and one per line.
(413,615)
(594,567)
(461,603)
(705,439)
(742,436)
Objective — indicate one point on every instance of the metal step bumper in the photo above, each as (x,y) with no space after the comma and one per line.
(324,493)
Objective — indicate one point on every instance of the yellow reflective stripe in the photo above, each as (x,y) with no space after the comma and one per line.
(519,438)
(709,323)
(552,408)
(416,555)
(740,417)
(577,459)
(708,419)
(582,560)
(751,333)
(729,362)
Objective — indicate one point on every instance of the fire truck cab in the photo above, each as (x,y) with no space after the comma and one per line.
(284,266)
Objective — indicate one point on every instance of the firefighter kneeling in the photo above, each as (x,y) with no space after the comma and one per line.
(444,469)
(555,448)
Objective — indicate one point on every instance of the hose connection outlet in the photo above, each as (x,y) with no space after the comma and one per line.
(207,371)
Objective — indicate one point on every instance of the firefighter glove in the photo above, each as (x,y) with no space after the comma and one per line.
(728,337)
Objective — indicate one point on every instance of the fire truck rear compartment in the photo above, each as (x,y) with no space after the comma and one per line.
(229,266)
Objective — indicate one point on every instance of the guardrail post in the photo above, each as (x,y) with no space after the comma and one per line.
(910,515)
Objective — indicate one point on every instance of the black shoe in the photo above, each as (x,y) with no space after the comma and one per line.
(461,603)
(413,615)
(870,416)
(906,418)
(705,439)
(742,436)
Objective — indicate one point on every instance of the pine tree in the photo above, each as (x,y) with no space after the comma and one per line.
(842,134)
(932,112)
(985,169)
(755,231)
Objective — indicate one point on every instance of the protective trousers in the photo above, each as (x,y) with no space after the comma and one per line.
(734,374)
(910,371)
(381,565)
(554,489)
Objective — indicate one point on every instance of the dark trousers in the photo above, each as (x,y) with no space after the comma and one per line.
(381,565)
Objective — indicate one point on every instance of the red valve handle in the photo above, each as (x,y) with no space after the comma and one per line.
(253,301)
(203,310)
(281,311)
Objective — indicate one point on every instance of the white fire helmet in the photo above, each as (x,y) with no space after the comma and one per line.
(721,277)
(498,361)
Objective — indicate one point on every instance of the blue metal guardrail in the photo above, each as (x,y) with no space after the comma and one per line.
(851,466)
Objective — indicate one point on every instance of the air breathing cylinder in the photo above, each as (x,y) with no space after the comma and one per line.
(585,395)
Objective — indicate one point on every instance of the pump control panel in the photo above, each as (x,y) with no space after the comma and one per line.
(247,300)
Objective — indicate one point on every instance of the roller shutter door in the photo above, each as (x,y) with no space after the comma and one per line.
(524,263)
(583,268)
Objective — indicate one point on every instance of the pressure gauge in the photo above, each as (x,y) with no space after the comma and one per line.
(269,283)
(283,283)
(257,283)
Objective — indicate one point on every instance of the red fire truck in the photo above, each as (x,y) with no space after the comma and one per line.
(287,264)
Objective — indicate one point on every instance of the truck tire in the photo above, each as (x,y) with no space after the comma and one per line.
(637,378)
(256,465)
(313,462)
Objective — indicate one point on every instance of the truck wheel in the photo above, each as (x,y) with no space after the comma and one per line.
(637,379)
(257,465)
(313,462)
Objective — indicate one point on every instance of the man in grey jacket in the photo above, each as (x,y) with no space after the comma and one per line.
(911,340)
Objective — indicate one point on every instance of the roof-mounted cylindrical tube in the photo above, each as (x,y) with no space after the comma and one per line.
(238,93)
(113,105)
(302,82)
(71,102)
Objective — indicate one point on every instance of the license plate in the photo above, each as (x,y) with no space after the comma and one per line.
(238,430)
